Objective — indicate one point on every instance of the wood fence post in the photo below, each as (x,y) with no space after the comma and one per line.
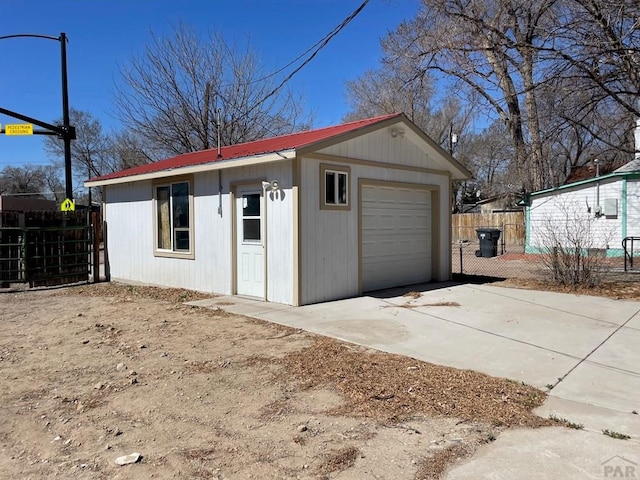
(95,224)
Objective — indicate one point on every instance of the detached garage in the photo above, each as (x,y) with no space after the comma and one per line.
(297,219)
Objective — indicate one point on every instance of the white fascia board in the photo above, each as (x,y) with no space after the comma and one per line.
(219,165)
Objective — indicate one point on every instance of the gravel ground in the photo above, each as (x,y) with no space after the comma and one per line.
(91,373)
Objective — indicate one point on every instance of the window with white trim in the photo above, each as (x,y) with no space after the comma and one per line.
(251,219)
(334,192)
(173,217)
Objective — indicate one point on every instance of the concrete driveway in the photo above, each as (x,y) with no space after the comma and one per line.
(585,349)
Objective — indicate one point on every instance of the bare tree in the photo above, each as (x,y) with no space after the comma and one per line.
(384,91)
(182,91)
(490,152)
(91,152)
(592,83)
(517,54)
(129,150)
(487,47)
(576,130)
(597,46)
(37,181)
(393,88)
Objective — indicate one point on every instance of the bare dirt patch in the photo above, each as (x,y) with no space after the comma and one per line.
(92,373)
(628,289)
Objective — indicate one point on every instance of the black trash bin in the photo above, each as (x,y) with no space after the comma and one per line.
(488,242)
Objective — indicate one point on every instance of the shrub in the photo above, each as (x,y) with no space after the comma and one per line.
(574,247)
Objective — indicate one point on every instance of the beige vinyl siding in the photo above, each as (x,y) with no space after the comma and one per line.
(130,230)
(329,239)
(380,146)
(131,233)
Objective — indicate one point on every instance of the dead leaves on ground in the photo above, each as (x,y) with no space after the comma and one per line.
(393,388)
(135,292)
(617,290)
(380,385)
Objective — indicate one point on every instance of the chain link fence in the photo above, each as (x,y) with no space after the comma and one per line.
(483,245)
(493,251)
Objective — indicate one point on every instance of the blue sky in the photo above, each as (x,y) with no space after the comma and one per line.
(104,34)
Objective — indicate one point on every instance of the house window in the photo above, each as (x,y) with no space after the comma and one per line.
(173,218)
(251,229)
(335,191)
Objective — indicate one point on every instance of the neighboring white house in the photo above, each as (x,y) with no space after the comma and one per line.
(297,219)
(602,211)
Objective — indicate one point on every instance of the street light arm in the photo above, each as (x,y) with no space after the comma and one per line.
(25,118)
(32,35)
(67,132)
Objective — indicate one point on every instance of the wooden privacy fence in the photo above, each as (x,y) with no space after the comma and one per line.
(511,224)
(44,248)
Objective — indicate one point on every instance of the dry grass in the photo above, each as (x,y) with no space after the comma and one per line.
(393,388)
(339,460)
(442,304)
(133,292)
(412,294)
(617,290)
(379,386)
(433,467)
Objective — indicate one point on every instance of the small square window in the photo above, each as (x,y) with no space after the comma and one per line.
(335,188)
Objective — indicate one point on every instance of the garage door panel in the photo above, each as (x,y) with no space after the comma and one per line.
(396,236)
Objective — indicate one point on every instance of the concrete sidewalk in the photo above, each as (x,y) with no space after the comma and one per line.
(586,348)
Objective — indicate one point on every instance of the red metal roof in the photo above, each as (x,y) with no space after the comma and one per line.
(241,150)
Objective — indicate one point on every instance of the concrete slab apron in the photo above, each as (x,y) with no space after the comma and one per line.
(530,336)
(551,453)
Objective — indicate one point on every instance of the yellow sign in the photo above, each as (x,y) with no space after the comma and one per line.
(67,206)
(19,129)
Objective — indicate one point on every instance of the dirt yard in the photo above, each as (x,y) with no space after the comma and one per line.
(89,374)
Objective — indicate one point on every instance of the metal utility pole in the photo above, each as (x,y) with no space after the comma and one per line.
(68,136)
(66,131)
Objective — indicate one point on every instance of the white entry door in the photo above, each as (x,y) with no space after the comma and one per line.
(250,242)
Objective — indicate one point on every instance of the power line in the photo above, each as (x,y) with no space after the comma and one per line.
(310,54)
(316,48)
(319,45)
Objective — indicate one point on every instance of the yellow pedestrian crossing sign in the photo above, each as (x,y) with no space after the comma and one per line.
(67,206)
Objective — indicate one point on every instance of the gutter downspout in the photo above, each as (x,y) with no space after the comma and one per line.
(220,192)
(264,242)
(266,249)
(624,208)
(598,209)
(527,229)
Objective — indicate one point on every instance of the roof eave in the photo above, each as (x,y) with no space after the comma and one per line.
(583,182)
(210,166)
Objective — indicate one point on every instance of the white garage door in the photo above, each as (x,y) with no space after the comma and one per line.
(396,237)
